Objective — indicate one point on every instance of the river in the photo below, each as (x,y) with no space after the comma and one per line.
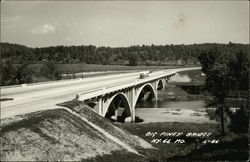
(195,104)
(173,111)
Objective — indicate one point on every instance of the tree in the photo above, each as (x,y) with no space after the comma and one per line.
(218,79)
(208,59)
(15,74)
(240,120)
(133,60)
(23,73)
(7,73)
(239,67)
(91,54)
(218,83)
(50,70)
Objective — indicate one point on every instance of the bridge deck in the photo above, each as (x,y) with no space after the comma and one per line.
(36,97)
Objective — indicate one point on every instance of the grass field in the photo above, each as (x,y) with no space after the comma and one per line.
(229,147)
(79,68)
(76,68)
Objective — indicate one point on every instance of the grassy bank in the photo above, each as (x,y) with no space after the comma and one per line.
(58,135)
(51,136)
(179,89)
(229,147)
(76,68)
(85,68)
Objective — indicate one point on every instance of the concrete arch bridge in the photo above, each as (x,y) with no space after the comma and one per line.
(117,102)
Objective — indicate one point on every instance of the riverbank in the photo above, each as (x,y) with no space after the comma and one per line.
(204,148)
(183,100)
(185,86)
(153,115)
(181,109)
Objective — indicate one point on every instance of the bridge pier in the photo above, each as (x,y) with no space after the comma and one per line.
(155,87)
(164,83)
(99,106)
(131,98)
(121,104)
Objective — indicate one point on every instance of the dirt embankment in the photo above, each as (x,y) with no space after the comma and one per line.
(66,135)
(180,78)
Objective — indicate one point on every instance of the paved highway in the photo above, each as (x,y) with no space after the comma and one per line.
(37,97)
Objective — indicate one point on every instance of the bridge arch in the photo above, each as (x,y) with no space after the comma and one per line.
(148,88)
(118,102)
(160,84)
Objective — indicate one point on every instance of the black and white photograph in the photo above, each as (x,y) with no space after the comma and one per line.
(124,80)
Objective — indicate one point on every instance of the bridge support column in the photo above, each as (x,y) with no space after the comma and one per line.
(99,106)
(155,87)
(164,83)
(132,98)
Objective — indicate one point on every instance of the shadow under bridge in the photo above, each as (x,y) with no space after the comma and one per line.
(120,106)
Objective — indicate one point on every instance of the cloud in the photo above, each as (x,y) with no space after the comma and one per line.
(44,29)
(12,19)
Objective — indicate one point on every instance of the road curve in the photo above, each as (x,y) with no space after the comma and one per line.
(35,97)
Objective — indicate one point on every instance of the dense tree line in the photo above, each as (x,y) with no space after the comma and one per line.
(17,60)
(133,55)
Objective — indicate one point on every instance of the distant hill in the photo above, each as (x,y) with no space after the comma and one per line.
(133,55)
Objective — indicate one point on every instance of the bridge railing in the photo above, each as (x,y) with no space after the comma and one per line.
(117,87)
(126,84)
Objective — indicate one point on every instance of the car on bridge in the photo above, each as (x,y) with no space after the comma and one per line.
(144,74)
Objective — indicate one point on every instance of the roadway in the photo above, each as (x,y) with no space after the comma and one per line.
(35,97)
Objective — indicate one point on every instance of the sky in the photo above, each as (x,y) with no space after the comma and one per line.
(123,23)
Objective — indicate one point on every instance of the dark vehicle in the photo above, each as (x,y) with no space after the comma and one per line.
(144,75)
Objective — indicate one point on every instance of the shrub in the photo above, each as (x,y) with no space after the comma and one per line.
(50,70)
(239,121)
